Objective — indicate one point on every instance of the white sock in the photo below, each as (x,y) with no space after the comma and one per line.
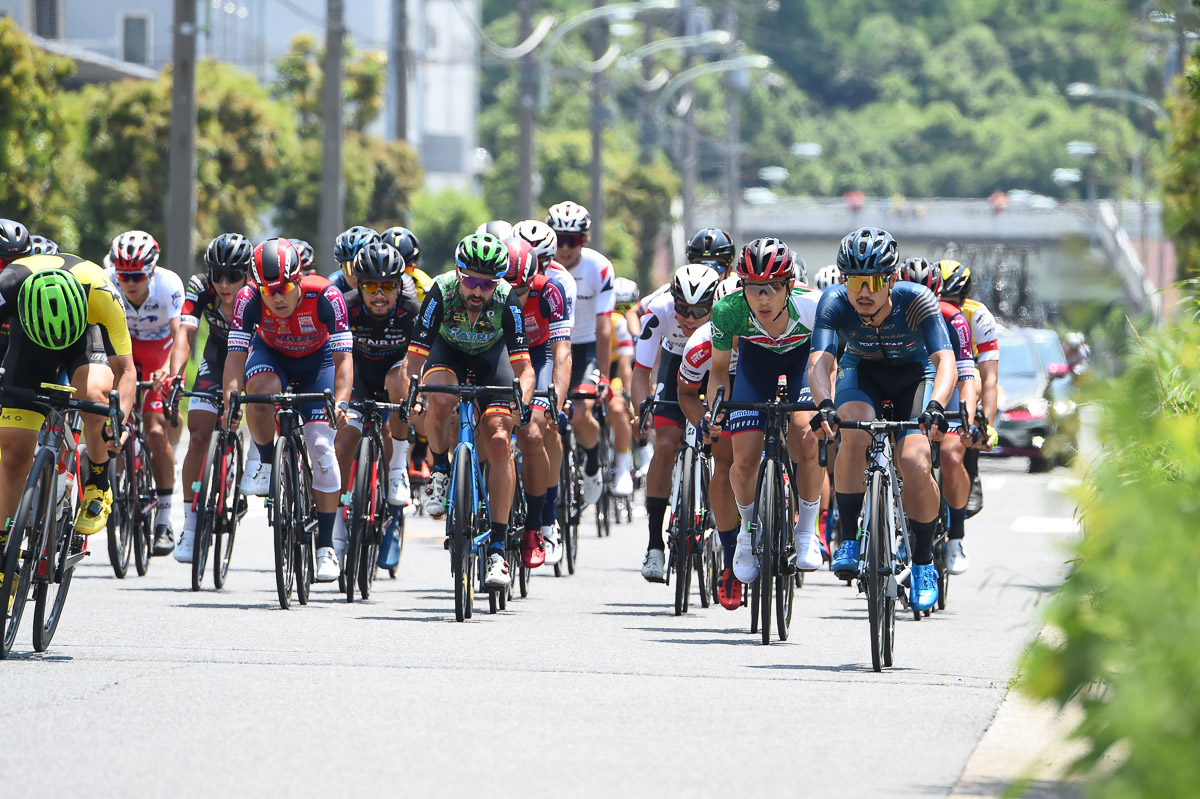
(747,513)
(399,455)
(163,511)
(807,517)
(189,518)
(624,462)
(340,533)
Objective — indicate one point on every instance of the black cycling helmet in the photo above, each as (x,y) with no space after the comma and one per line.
(14,240)
(405,242)
(229,251)
(350,241)
(868,251)
(710,245)
(379,262)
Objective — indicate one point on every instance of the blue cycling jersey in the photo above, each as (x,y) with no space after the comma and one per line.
(912,331)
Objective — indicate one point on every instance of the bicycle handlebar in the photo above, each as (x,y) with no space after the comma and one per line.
(112,409)
(171,405)
(286,400)
(465,392)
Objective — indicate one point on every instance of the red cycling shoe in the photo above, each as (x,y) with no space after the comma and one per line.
(532,552)
(729,590)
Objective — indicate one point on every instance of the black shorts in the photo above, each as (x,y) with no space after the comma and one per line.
(906,386)
(370,379)
(584,367)
(667,388)
(488,368)
(27,365)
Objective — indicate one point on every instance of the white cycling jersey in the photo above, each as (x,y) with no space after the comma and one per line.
(660,330)
(151,321)
(697,357)
(594,275)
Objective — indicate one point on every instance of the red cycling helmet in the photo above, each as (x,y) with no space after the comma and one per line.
(765,260)
(276,262)
(522,262)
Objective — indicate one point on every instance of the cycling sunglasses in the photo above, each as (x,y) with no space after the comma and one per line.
(570,239)
(226,275)
(720,266)
(378,287)
(693,311)
(277,289)
(131,277)
(767,289)
(482,283)
(856,283)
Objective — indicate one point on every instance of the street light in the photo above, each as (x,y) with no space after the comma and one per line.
(1086,91)
(756,61)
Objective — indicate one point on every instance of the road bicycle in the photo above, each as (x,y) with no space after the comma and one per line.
(42,548)
(131,523)
(468,523)
(291,511)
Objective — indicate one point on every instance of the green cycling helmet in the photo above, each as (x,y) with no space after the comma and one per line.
(52,308)
(482,253)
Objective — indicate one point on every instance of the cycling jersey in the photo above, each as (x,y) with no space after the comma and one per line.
(594,275)
(643,305)
(556,270)
(697,357)
(381,342)
(660,330)
(319,318)
(200,298)
(151,321)
(732,318)
(104,301)
(909,334)
(985,345)
(421,280)
(959,332)
(622,339)
(444,315)
(546,311)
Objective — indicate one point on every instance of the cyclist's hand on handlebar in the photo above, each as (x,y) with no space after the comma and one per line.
(235,419)
(341,415)
(933,421)
(825,421)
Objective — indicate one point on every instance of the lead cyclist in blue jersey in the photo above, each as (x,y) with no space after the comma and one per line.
(897,349)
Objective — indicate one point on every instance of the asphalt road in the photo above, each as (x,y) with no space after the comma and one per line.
(590,687)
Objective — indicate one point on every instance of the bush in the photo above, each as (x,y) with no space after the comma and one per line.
(440,219)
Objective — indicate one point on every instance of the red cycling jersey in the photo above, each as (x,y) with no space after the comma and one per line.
(321,316)
(960,339)
(546,311)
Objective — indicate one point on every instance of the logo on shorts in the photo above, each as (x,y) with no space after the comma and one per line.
(841,373)
(307,325)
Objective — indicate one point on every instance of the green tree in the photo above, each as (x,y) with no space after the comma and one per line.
(441,219)
(1181,186)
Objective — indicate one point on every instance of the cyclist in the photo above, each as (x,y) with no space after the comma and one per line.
(308,264)
(345,247)
(897,349)
(668,323)
(693,378)
(55,297)
(153,300)
(591,339)
(15,242)
(548,324)
(827,276)
(471,323)
(209,295)
(406,243)
(289,330)
(498,228)
(40,245)
(620,376)
(772,318)
(985,346)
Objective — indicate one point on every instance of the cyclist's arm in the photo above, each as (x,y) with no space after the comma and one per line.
(517,345)
(625,370)
(235,372)
(181,350)
(821,366)
(247,313)
(689,401)
(604,340)
(989,374)
(945,378)
(718,373)
(124,380)
(635,322)
(562,368)
(639,387)
(343,375)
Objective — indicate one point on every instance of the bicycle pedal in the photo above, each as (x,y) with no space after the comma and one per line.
(446,543)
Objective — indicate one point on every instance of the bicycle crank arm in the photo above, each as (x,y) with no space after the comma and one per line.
(310,528)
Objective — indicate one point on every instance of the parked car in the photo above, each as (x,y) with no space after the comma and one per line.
(1037,417)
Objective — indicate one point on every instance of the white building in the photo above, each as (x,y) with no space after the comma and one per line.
(113,39)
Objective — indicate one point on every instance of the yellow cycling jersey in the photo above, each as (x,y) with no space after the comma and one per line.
(104,305)
(423,281)
(622,339)
(985,345)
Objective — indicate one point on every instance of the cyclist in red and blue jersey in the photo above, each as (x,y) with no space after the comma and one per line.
(289,330)
(897,351)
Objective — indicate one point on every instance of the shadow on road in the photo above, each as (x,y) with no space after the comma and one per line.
(1027,789)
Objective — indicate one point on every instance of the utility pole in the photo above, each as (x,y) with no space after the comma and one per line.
(599,37)
(181,166)
(526,104)
(333,190)
(649,129)
(689,158)
(400,68)
(733,121)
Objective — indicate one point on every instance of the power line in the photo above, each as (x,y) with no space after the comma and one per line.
(511,53)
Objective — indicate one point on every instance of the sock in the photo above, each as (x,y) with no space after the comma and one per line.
(958,521)
(747,514)
(420,449)
(656,508)
(399,455)
(266,452)
(728,544)
(340,533)
(849,507)
(534,512)
(441,461)
(550,509)
(498,538)
(325,528)
(162,514)
(591,460)
(189,518)
(624,463)
(922,536)
(806,519)
(98,475)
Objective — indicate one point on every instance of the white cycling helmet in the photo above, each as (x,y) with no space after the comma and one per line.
(800,270)
(539,235)
(828,276)
(727,286)
(625,291)
(569,217)
(694,284)
(498,228)
(134,252)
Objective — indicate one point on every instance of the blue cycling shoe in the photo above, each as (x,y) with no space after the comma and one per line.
(845,560)
(389,550)
(923,588)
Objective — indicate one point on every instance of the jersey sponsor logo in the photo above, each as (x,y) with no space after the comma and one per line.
(518,318)
(427,318)
(554,299)
(649,322)
(698,356)
(306,324)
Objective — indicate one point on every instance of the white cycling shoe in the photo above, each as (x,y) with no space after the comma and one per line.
(187,542)
(398,491)
(957,561)
(808,551)
(552,544)
(497,571)
(654,566)
(437,493)
(623,487)
(257,483)
(593,487)
(745,562)
(328,569)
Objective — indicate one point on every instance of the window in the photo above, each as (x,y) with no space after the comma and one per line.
(135,39)
(46,18)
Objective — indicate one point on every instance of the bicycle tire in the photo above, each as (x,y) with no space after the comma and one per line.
(875,530)
(206,510)
(283,522)
(120,524)
(571,536)
(231,504)
(886,577)
(356,513)
(373,525)
(461,527)
(24,538)
(681,532)
(704,557)
(566,478)
(768,513)
(752,600)
(785,581)
(141,490)
(45,624)
(305,553)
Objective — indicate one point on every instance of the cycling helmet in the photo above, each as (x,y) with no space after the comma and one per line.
(522,261)
(541,236)
(380,262)
(482,253)
(134,252)
(694,284)
(14,240)
(350,241)
(1075,340)
(569,217)
(710,245)
(868,251)
(40,245)
(405,241)
(52,308)
(919,270)
(828,276)
(625,291)
(764,260)
(956,278)
(799,269)
(498,228)
(229,251)
(727,286)
(276,262)
(307,256)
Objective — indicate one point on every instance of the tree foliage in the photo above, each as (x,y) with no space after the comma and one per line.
(1181,185)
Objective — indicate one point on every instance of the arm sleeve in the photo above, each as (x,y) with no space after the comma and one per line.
(428,321)
(606,302)
(247,313)
(697,359)
(623,336)
(331,309)
(959,331)
(650,341)
(555,305)
(514,330)
(828,322)
(195,298)
(176,295)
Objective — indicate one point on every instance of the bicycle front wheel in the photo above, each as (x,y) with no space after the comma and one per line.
(769,513)
(357,514)
(25,546)
(230,508)
(120,521)
(206,510)
(142,491)
(50,591)
(682,534)
(284,520)
(461,528)
(785,582)
(876,535)
(303,527)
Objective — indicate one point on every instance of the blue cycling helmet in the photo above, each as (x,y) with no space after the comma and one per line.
(868,251)
(349,242)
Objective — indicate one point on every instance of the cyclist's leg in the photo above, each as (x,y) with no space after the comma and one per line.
(495,441)
(810,475)
(535,464)
(585,376)
(668,432)
(92,377)
(266,373)
(202,421)
(314,374)
(621,423)
(19,424)
(956,487)
(397,392)
(858,401)
(148,358)
(444,367)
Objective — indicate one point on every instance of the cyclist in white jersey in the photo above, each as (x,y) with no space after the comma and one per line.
(591,339)
(153,300)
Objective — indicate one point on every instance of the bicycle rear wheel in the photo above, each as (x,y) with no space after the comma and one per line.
(283,492)
(50,590)
(372,530)
(876,531)
(461,527)
(231,507)
(769,513)
(207,513)
(705,556)
(25,545)
(357,513)
(785,581)
(141,490)
(120,521)
(304,528)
